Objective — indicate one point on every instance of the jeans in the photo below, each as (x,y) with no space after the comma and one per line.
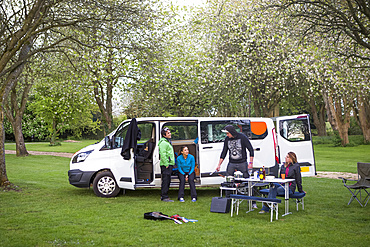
(243,167)
(191,178)
(276,189)
(166,181)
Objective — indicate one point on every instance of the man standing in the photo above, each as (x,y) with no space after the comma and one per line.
(236,144)
(167,160)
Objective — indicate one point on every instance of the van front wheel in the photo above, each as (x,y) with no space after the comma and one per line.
(105,185)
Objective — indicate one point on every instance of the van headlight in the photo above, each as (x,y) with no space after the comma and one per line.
(81,157)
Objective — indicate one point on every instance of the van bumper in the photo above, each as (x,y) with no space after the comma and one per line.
(80,178)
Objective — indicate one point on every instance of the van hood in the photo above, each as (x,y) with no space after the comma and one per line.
(90,147)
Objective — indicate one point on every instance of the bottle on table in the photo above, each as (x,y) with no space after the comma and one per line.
(261,174)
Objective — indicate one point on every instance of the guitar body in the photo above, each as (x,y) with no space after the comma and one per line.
(155,216)
(159,216)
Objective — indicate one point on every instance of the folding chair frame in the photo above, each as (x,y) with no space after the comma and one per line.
(355,192)
(363,183)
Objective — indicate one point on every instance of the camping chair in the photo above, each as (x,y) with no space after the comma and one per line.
(362,184)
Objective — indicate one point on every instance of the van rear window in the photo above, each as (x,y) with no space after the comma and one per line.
(295,130)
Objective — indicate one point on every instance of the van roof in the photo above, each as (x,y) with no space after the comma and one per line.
(196,118)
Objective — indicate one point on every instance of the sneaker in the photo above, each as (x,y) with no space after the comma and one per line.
(167,200)
(263,212)
(181,199)
(254,206)
(194,200)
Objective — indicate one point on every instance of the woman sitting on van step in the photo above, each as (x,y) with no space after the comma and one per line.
(292,170)
(186,167)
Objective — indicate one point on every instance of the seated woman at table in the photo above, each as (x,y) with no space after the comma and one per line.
(186,166)
(292,170)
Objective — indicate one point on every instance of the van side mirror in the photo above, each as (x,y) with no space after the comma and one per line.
(107,142)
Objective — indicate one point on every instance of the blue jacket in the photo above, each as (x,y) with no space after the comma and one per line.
(186,165)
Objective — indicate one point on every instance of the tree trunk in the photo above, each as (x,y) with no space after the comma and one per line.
(19,139)
(12,111)
(339,121)
(3,176)
(53,133)
(105,105)
(15,116)
(364,116)
(321,131)
(277,111)
(318,115)
(4,92)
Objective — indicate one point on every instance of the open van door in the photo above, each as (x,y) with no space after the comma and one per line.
(294,134)
(122,161)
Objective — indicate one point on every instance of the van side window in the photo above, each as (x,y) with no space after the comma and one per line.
(146,131)
(120,135)
(259,130)
(211,131)
(183,130)
(295,130)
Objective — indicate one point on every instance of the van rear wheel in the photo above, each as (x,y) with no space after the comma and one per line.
(105,185)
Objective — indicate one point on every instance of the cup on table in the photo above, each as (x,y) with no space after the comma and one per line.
(282,176)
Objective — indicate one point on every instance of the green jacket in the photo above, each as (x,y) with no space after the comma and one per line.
(166,152)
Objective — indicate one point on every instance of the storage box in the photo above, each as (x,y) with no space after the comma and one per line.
(220,205)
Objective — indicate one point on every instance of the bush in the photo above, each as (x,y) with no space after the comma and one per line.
(322,140)
(356,140)
(355,129)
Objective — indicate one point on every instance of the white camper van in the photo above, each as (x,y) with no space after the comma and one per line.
(102,165)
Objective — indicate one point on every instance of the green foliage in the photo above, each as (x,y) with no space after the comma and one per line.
(118,120)
(316,140)
(336,140)
(354,140)
(62,103)
(354,128)
(33,127)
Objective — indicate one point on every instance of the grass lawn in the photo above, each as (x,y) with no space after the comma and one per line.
(65,147)
(50,212)
(340,159)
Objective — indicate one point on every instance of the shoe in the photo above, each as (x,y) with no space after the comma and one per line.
(181,199)
(194,200)
(263,212)
(254,206)
(167,200)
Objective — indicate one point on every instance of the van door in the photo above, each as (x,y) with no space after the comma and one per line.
(294,135)
(122,169)
(145,157)
(211,145)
